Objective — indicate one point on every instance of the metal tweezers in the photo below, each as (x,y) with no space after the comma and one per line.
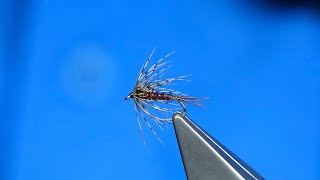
(204,158)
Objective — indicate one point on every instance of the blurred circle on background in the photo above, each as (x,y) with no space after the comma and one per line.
(86,76)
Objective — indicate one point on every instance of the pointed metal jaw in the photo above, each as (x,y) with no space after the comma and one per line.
(204,157)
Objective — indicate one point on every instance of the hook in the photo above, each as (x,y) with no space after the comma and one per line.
(183,107)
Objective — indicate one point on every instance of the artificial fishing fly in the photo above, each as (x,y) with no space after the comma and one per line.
(152,96)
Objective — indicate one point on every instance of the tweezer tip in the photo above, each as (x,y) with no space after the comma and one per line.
(177,115)
(206,158)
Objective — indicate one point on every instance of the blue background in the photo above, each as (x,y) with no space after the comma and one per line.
(66,67)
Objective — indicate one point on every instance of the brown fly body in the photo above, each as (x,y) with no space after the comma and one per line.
(153,98)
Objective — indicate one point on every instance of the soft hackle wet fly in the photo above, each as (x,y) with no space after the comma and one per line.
(152,96)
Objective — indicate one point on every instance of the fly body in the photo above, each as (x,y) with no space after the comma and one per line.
(152,97)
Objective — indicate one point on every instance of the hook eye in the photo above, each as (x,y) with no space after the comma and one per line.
(128,97)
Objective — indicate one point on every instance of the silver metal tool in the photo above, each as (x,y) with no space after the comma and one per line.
(204,158)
